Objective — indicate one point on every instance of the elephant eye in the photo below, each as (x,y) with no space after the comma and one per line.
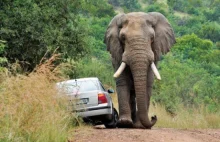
(120,26)
(122,37)
(152,39)
(148,22)
(125,22)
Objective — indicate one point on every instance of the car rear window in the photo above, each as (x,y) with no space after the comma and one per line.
(80,86)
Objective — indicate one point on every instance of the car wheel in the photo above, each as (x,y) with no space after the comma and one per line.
(114,121)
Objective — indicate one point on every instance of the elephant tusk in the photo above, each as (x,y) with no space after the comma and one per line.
(156,72)
(120,70)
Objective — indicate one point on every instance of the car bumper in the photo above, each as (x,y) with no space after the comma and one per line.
(102,109)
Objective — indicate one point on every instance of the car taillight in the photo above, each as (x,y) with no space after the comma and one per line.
(102,98)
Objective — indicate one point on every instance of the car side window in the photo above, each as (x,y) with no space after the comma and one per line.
(101,86)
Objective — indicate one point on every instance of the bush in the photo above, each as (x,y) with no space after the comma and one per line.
(185,82)
(210,30)
(33,28)
(162,8)
(192,47)
(91,67)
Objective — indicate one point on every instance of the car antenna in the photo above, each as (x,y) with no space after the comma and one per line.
(75,78)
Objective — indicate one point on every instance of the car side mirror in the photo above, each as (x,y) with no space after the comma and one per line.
(110,91)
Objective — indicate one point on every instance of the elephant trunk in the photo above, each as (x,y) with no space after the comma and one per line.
(139,64)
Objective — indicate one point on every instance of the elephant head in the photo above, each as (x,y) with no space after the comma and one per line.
(137,40)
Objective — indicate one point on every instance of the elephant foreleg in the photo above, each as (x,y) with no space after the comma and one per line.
(123,100)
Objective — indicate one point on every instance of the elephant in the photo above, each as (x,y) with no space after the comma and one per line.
(136,42)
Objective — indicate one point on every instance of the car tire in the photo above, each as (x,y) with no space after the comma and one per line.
(114,121)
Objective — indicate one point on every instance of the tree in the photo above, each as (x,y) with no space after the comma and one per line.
(33,28)
(210,30)
(128,5)
(192,47)
(186,82)
(158,8)
(178,5)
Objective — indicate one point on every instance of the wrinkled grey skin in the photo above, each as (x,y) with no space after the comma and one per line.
(138,39)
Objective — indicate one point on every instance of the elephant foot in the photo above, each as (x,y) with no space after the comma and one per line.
(138,125)
(124,123)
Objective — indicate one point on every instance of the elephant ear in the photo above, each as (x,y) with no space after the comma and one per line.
(164,35)
(112,40)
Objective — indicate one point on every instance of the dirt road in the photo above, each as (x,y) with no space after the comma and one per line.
(100,134)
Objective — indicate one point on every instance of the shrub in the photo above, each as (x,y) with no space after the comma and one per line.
(91,67)
(185,82)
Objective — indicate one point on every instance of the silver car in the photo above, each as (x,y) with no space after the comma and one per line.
(91,101)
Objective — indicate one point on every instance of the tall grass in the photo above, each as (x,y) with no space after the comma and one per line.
(186,118)
(31,109)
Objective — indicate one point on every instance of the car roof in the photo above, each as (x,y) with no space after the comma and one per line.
(85,79)
(80,79)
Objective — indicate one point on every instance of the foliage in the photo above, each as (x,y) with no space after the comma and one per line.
(128,5)
(210,30)
(32,28)
(186,82)
(200,51)
(180,5)
(199,17)
(98,28)
(91,67)
(212,15)
(3,60)
(162,8)
(192,47)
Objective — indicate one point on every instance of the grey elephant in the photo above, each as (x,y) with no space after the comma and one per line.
(136,41)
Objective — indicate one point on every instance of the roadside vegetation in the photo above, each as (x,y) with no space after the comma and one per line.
(190,118)
(31,108)
(33,31)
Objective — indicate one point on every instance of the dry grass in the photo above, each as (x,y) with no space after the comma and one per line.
(115,100)
(31,109)
(196,118)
